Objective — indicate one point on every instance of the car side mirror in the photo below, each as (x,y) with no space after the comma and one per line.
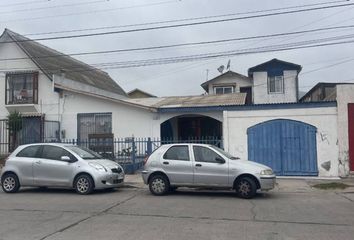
(220,160)
(67,159)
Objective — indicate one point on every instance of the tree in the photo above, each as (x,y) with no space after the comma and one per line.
(14,125)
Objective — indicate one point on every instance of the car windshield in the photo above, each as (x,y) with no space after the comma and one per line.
(85,153)
(226,154)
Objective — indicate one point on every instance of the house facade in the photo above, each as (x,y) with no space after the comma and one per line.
(62,98)
(256,117)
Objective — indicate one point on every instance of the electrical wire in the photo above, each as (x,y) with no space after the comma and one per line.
(183,24)
(90,12)
(25,3)
(183,20)
(347,27)
(56,6)
(199,57)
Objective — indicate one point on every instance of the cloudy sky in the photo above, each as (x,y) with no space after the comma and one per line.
(37,18)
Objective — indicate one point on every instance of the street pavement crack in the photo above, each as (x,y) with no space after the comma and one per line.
(345,197)
(253,210)
(229,219)
(92,215)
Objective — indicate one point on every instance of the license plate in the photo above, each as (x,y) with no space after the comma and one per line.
(116,181)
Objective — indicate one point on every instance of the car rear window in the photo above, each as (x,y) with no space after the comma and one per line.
(30,152)
(177,153)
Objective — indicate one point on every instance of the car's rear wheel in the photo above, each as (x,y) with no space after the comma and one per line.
(10,183)
(159,185)
(84,184)
(246,187)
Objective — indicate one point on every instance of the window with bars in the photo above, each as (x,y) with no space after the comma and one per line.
(21,88)
(276,84)
(93,123)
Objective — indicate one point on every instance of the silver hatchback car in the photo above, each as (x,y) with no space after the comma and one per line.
(200,165)
(59,165)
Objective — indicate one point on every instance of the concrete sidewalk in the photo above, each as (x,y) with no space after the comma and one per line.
(283,184)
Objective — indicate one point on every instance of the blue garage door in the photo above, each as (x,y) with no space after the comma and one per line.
(287,146)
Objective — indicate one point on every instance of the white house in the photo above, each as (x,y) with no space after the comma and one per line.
(258,117)
(43,84)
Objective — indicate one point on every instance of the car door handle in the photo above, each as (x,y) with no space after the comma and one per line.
(198,165)
(166,163)
(37,162)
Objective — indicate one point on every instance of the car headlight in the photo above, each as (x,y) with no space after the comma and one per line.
(267,172)
(98,167)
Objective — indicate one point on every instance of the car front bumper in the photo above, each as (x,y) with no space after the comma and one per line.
(111,180)
(145,176)
(267,182)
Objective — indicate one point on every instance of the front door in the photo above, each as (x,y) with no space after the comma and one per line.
(351,134)
(177,165)
(207,171)
(49,170)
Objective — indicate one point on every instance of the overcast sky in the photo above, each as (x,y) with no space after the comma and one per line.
(323,64)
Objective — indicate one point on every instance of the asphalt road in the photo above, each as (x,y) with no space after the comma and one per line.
(133,213)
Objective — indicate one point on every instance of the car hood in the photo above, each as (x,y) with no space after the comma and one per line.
(105,163)
(249,165)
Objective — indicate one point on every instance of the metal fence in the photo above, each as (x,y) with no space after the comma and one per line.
(131,151)
(25,131)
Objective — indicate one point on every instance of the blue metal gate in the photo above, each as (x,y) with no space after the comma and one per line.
(287,146)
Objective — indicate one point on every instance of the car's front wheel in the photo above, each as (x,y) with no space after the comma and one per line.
(159,185)
(246,187)
(10,183)
(83,184)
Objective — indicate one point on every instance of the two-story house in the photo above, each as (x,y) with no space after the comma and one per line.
(274,81)
(60,97)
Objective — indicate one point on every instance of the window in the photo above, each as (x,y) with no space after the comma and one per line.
(29,152)
(276,84)
(177,153)
(93,123)
(21,88)
(55,153)
(224,90)
(85,153)
(203,154)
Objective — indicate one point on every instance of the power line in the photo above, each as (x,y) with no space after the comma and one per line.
(56,6)
(182,25)
(347,80)
(185,19)
(200,57)
(90,12)
(24,3)
(184,44)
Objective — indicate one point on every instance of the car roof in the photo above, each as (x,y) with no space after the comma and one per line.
(183,144)
(48,144)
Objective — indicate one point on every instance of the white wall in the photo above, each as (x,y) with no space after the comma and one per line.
(345,95)
(324,119)
(127,121)
(260,88)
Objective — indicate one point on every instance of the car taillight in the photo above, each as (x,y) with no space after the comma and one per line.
(146,159)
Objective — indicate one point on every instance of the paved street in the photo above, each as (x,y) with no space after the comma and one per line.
(133,213)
